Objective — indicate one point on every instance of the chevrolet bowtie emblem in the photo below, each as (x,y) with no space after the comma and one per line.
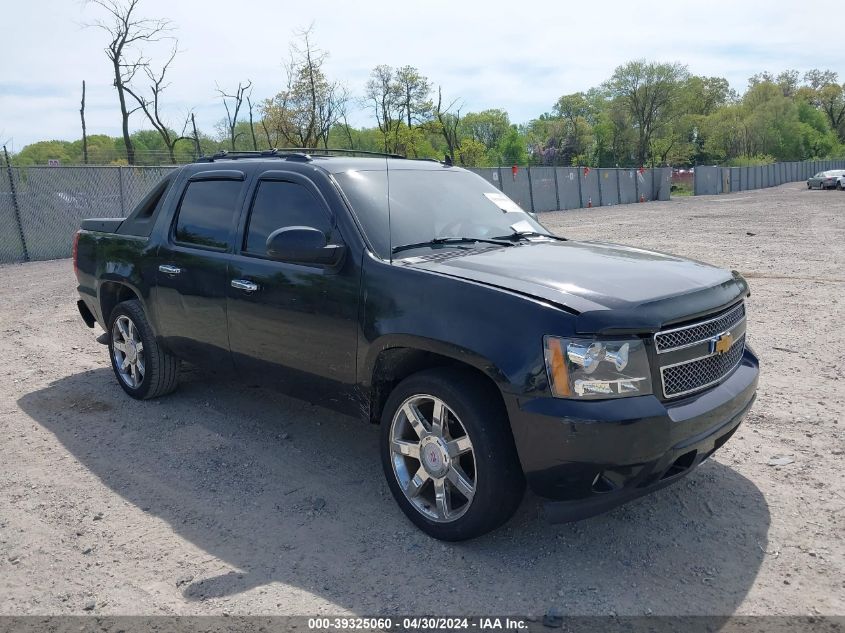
(723,342)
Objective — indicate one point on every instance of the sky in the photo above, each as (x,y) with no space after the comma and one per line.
(519,56)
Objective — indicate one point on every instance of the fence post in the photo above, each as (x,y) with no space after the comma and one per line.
(15,205)
(598,178)
(618,187)
(637,186)
(580,191)
(557,189)
(530,189)
(122,197)
(501,182)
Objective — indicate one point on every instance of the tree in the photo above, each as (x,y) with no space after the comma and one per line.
(472,153)
(571,126)
(413,91)
(512,148)
(382,95)
(303,114)
(152,107)
(647,89)
(251,122)
(232,103)
(487,127)
(127,33)
(84,131)
(817,79)
(448,121)
(831,100)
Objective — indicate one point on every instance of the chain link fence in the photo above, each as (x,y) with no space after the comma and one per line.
(715,180)
(42,207)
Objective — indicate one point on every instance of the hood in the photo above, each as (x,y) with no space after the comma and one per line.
(612,288)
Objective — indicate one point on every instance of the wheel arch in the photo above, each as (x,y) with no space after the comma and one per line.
(395,358)
(112,293)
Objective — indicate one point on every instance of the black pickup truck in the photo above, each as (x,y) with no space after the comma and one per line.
(415,294)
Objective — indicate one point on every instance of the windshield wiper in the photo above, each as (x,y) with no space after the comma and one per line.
(519,235)
(451,240)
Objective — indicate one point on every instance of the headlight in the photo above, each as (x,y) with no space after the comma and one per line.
(595,369)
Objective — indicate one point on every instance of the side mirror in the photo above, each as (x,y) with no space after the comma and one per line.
(303,245)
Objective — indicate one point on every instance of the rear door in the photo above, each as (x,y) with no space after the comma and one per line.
(192,273)
(292,325)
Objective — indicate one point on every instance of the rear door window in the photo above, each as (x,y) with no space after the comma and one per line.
(206,213)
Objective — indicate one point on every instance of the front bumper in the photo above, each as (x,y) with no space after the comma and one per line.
(591,456)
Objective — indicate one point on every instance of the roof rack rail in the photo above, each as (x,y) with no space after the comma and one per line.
(290,153)
(268,153)
(338,150)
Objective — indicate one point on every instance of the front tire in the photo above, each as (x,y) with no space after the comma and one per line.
(448,454)
(142,367)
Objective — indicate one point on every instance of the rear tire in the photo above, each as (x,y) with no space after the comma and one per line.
(142,367)
(471,481)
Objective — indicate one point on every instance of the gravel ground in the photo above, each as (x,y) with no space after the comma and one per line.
(227,498)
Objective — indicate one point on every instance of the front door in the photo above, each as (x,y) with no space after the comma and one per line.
(192,271)
(293,325)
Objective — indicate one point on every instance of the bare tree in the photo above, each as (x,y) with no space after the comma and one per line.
(305,111)
(448,121)
(233,103)
(84,132)
(127,33)
(382,95)
(196,136)
(251,123)
(272,140)
(331,109)
(151,106)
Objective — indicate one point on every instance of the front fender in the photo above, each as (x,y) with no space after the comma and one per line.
(424,344)
(497,331)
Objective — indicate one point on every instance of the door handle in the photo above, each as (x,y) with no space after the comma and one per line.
(169,270)
(243,284)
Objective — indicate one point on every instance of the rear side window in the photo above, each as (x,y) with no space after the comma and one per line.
(279,204)
(206,213)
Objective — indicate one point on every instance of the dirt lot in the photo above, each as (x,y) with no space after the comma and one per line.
(227,498)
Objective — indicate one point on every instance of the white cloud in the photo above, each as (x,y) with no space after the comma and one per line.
(518,56)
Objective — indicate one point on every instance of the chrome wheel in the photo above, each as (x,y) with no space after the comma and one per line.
(433,458)
(128,351)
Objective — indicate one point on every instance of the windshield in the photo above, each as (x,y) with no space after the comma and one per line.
(429,204)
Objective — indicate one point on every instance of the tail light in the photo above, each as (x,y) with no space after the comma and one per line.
(75,254)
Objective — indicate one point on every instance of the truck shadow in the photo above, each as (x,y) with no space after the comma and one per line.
(284,492)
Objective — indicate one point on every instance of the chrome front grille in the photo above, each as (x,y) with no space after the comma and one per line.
(695,333)
(693,357)
(700,373)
